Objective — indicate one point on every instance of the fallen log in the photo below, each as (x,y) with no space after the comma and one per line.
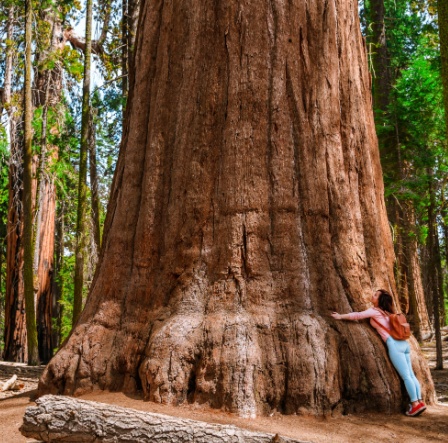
(58,418)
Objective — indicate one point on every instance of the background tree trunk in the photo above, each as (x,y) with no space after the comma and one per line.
(130,12)
(57,283)
(435,278)
(28,250)
(48,93)
(400,210)
(95,200)
(15,327)
(247,205)
(15,324)
(81,221)
(47,87)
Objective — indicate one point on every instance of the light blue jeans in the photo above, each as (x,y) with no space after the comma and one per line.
(400,356)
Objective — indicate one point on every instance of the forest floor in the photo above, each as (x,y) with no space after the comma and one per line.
(432,426)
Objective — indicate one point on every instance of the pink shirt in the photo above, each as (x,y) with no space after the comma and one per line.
(373,313)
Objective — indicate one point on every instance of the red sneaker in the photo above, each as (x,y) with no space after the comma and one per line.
(416,410)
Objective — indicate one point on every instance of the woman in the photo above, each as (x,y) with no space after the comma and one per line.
(399,350)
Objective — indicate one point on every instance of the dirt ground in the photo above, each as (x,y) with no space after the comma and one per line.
(431,426)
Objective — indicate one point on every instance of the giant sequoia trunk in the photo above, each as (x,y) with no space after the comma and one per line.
(246,205)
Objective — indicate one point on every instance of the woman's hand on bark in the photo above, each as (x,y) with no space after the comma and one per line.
(336,316)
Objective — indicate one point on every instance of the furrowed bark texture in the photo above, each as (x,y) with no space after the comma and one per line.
(247,205)
(48,93)
(27,195)
(81,217)
(70,420)
(408,275)
(45,269)
(15,323)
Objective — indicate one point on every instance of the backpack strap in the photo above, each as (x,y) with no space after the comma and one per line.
(385,313)
(381,326)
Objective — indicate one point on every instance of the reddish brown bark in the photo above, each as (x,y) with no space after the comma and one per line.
(15,326)
(15,329)
(48,291)
(44,305)
(408,267)
(47,92)
(246,205)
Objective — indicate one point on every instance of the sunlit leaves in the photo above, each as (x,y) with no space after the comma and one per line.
(72,62)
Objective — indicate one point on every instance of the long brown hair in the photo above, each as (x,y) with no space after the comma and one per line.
(385,301)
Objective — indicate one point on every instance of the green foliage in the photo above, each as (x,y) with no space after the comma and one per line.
(72,62)
(412,131)
(65,280)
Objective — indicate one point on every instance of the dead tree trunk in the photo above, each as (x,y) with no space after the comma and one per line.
(70,420)
(247,204)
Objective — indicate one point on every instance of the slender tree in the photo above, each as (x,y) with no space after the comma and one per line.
(15,324)
(130,11)
(81,224)
(247,204)
(28,246)
(435,278)
(94,191)
(6,104)
(57,284)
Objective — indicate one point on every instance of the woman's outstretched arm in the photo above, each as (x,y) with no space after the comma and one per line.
(371,312)
(337,316)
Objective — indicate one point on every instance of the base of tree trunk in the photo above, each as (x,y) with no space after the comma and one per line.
(58,418)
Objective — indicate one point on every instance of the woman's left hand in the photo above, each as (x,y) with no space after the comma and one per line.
(336,316)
